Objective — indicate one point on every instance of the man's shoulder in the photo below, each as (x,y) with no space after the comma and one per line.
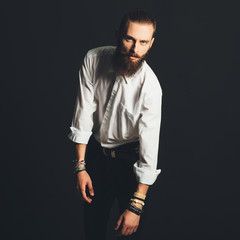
(101,51)
(149,75)
(149,82)
(148,70)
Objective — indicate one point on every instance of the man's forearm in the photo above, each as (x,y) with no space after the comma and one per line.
(142,188)
(80,151)
(83,179)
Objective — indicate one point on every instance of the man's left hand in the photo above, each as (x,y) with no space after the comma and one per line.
(129,221)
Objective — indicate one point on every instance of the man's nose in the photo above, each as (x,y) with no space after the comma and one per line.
(135,47)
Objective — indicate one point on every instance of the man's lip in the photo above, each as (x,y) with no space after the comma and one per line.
(132,57)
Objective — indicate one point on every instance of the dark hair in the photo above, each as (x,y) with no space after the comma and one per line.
(137,15)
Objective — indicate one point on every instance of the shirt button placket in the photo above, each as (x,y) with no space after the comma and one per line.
(103,128)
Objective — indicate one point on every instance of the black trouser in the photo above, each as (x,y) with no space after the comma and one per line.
(112,178)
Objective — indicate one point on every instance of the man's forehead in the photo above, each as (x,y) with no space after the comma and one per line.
(140,30)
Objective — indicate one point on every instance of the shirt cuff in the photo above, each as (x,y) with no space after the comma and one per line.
(144,175)
(78,136)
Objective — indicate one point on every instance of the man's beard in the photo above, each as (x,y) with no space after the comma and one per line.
(123,65)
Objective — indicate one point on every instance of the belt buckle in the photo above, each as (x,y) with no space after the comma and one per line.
(104,152)
(113,154)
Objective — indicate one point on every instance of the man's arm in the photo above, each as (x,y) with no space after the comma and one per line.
(83,179)
(128,219)
(145,167)
(82,122)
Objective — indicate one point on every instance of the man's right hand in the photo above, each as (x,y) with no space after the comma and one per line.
(83,181)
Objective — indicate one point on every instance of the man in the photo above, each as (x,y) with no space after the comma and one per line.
(119,102)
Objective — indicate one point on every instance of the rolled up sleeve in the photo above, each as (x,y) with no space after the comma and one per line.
(82,122)
(149,129)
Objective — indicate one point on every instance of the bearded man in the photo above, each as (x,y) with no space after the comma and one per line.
(119,106)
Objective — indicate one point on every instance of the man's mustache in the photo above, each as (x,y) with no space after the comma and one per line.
(133,55)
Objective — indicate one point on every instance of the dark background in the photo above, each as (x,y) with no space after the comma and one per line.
(196,57)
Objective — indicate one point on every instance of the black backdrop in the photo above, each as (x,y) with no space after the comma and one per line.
(196,57)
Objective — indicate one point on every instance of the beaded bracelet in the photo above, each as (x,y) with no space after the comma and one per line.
(80,168)
(82,162)
(137,201)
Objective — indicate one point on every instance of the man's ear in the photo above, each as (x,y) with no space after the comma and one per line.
(152,42)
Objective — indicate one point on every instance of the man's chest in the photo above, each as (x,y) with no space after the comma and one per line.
(119,93)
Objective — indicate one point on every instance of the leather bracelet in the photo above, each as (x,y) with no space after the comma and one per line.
(134,209)
(138,198)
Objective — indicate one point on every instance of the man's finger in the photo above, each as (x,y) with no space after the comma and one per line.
(90,188)
(118,223)
(135,229)
(130,232)
(124,231)
(83,190)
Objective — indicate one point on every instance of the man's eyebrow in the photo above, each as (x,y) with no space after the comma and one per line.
(128,36)
(146,41)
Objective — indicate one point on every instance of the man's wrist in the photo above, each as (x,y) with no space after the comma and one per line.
(138,205)
(80,165)
(134,209)
(80,161)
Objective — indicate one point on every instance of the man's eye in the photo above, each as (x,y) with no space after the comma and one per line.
(128,39)
(143,42)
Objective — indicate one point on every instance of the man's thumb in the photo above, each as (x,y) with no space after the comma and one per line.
(118,223)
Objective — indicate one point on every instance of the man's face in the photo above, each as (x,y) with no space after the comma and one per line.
(137,40)
(133,47)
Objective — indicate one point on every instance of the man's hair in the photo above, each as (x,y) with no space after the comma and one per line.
(139,16)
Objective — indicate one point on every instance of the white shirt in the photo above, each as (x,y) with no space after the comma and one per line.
(119,110)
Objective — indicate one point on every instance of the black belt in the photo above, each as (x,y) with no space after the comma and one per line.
(132,147)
